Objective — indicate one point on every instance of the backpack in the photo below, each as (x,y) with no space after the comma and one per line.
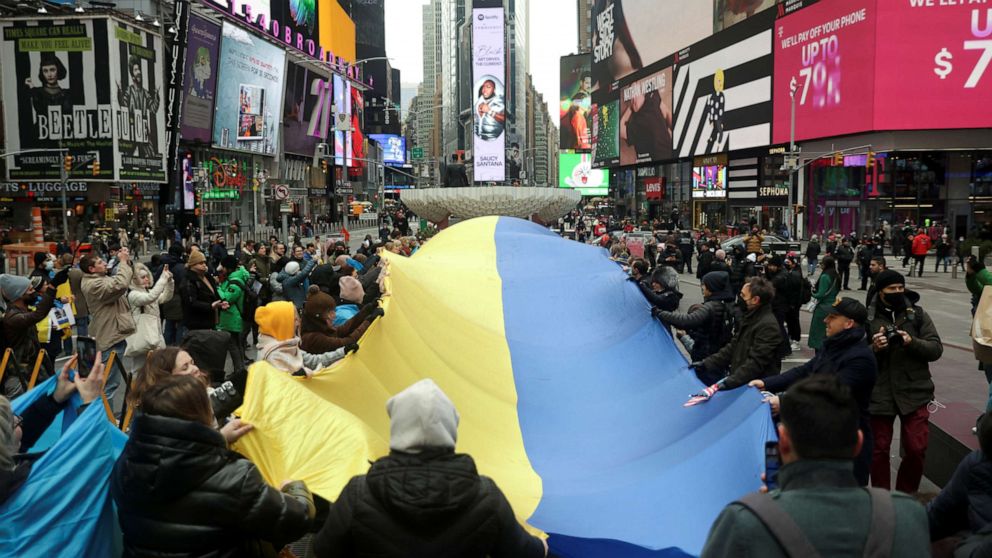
(727,324)
(806,291)
(795,544)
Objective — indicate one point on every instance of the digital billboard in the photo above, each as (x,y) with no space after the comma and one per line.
(575,171)
(606,134)
(393,148)
(202,50)
(306,110)
(828,49)
(723,90)
(729,12)
(627,34)
(357,137)
(933,65)
(342,119)
(575,103)
(488,90)
(646,119)
(251,75)
(709,181)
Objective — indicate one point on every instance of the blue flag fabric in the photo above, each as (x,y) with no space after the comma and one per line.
(64,508)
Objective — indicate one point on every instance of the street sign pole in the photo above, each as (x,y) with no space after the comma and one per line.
(790,217)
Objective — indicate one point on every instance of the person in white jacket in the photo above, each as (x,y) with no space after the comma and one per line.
(145,298)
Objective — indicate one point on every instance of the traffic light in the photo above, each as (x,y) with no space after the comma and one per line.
(870,160)
(67,163)
(323,165)
(96,167)
(838,159)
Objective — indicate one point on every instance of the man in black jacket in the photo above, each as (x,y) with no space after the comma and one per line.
(847,355)
(781,280)
(753,351)
(794,267)
(844,255)
(706,324)
(686,246)
(423,499)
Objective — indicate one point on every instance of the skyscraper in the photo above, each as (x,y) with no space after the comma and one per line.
(584,10)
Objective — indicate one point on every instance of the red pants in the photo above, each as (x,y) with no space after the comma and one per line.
(914,433)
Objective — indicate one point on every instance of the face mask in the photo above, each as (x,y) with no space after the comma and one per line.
(895,301)
(49,265)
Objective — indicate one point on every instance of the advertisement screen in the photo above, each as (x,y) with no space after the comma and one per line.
(251,71)
(575,171)
(202,49)
(933,65)
(709,181)
(627,34)
(189,188)
(646,119)
(49,73)
(306,110)
(138,104)
(300,16)
(723,90)
(489,95)
(393,148)
(828,49)
(606,134)
(357,139)
(575,103)
(729,12)
(341,122)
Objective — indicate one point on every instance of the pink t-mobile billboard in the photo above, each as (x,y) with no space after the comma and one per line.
(826,52)
(934,64)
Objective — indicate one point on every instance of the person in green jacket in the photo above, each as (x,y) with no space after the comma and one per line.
(827,289)
(817,438)
(977,277)
(234,281)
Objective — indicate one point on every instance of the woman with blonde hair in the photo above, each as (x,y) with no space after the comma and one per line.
(145,298)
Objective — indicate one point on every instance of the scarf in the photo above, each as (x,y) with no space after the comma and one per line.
(284,355)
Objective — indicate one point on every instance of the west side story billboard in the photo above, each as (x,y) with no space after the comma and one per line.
(489,94)
(91,86)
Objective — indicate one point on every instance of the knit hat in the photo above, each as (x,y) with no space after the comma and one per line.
(716,281)
(229,262)
(889,277)
(317,306)
(775,260)
(195,257)
(39,258)
(351,289)
(13,287)
(292,267)
(421,417)
(277,320)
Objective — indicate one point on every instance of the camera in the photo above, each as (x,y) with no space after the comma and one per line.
(225,399)
(892,336)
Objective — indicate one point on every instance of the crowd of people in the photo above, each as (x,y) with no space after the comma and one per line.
(171,336)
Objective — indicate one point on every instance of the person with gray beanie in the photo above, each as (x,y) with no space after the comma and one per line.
(20,333)
(423,499)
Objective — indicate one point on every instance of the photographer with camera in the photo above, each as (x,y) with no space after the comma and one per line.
(905,341)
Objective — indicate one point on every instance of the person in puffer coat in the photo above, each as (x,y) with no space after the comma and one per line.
(180,492)
(423,499)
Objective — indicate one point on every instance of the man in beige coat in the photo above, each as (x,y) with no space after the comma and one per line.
(110,314)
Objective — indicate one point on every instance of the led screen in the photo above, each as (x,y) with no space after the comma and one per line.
(709,181)
(575,171)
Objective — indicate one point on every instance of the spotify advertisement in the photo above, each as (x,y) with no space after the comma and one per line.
(826,54)
(934,64)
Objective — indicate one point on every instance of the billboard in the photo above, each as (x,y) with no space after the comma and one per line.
(626,34)
(57,92)
(342,119)
(646,119)
(201,79)
(393,148)
(729,12)
(489,104)
(356,140)
(932,64)
(709,181)
(251,71)
(723,90)
(300,16)
(575,103)
(606,134)
(828,48)
(575,171)
(138,108)
(306,109)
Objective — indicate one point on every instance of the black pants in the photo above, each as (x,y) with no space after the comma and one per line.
(793,325)
(687,259)
(845,276)
(920,260)
(865,277)
(236,350)
(906,257)
(781,316)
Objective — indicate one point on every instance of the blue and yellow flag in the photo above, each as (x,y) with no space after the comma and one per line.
(570,395)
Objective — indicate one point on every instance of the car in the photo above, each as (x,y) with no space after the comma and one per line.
(771,243)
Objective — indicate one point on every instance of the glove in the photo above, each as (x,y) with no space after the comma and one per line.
(656,312)
(377,313)
(351,348)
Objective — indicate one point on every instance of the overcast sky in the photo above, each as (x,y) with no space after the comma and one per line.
(552,35)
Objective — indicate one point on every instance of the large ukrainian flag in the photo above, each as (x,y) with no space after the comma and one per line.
(570,395)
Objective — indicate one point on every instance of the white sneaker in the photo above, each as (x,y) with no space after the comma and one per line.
(795,346)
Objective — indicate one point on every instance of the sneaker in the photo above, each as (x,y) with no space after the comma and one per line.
(795,346)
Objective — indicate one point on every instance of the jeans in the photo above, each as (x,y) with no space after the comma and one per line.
(236,350)
(811,265)
(114,377)
(174,332)
(845,276)
(83,325)
(914,431)
(945,259)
